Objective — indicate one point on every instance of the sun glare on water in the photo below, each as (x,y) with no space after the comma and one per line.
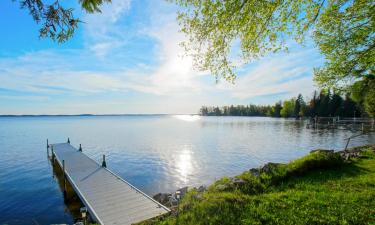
(188,118)
(184,164)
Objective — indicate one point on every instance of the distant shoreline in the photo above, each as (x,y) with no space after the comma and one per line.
(77,115)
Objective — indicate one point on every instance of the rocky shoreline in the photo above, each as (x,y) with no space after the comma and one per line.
(171,199)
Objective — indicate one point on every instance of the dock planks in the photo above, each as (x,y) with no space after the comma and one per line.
(108,198)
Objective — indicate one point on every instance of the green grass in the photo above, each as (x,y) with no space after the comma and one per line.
(317,189)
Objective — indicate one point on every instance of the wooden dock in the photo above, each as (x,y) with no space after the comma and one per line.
(109,199)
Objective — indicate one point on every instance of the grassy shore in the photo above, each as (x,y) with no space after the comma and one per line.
(320,188)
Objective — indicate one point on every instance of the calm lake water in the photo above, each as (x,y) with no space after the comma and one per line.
(155,153)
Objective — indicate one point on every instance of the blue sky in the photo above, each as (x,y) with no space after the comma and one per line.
(128,60)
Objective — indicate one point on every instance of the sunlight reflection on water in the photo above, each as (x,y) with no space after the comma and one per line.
(184,163)
(188,118)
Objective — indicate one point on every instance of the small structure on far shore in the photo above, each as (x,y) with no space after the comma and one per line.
(358,124)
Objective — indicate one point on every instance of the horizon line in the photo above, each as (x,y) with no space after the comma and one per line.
(89,114)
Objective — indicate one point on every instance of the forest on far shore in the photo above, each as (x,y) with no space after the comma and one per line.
(322,104)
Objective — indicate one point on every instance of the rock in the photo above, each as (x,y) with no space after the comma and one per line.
(350,153)
(238,182)
(255,172)
(201,188)
(163,198)
(180,193)
(183,190)
(322,151)
(269,167)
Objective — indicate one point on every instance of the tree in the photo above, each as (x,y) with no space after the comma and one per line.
(264,26)
(343,30)
(299,106)
(325,99)
(350,108)
(277,109)
(313,105)
(348,43)
(58,22)
(288,108)
(326,103)
(203,111)
(349,46)
(362,92)
(369,99)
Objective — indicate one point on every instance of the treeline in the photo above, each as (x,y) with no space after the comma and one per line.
(323,104)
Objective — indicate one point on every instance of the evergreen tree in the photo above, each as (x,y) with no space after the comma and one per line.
(298,106)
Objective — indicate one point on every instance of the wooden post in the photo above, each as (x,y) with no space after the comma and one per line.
(362,127)
(347,143)
(68,141)
(104,164)
(47,149)
(53,154)
(80,148)
(64,180)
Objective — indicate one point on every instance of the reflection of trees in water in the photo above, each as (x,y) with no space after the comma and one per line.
(238,121)
(71,199)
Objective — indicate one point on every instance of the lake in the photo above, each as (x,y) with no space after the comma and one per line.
(156,153)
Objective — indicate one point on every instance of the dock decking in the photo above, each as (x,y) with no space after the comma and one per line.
(109,198)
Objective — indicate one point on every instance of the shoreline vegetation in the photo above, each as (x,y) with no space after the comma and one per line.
(323,187)
(322,104)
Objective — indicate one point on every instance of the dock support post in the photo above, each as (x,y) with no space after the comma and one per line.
(64,180)
(47,149)
(104,164)
(362,127)
(80,148)
(52,154)
(68,141)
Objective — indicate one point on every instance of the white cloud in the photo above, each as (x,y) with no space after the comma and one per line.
(102,30)
(283,73)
